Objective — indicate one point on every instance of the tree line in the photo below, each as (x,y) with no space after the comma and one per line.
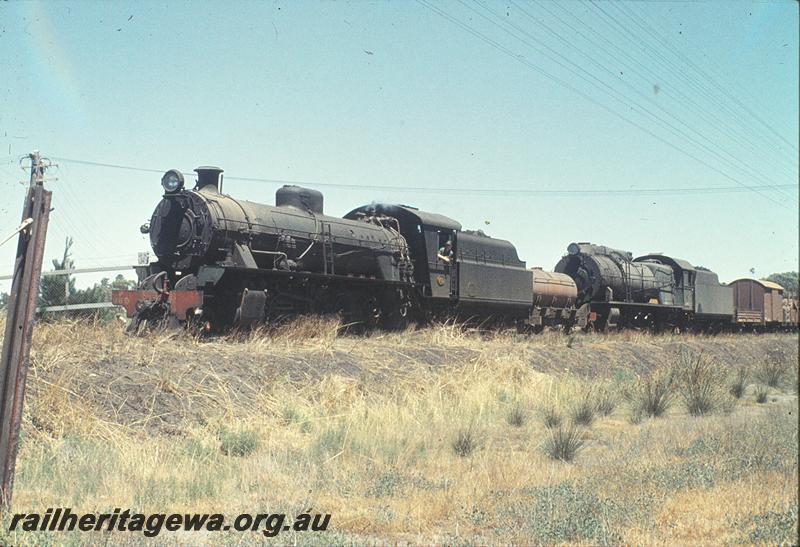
(60,290)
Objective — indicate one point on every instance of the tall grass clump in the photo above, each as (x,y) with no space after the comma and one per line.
(551,417)
(517,416)
(582,412)
(700,381)
(774,369)
(761,394)
(465,441)
(652,395)
(605,400)
(739,382)
(564,442)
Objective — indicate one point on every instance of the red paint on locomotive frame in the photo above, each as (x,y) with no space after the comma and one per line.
(179,301)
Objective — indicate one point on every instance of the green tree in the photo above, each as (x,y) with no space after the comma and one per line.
(55,289)
(60,290)
(787,280)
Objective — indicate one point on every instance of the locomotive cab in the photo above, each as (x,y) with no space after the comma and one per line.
(425,234)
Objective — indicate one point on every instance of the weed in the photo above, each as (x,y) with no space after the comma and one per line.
(563,513)
(774,528)
(652,395)
(238,443)
(761,394)
(622,376)
(739,382)
(551,417)
(517,416)
(605,400)
(388,484)
(774,369)
(564,442)
(465,442)
(700,380)
(330,442)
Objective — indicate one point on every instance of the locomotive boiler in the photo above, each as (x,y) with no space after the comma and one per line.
(204,226)
(603,274)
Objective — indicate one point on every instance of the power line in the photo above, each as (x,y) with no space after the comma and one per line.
(679,67)
(614,93)
(720,124)
(722,89)
(471,191)
(567,85)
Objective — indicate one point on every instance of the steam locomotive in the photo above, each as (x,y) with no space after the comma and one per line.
(223,262)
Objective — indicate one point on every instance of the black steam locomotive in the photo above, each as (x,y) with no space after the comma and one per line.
(224,262)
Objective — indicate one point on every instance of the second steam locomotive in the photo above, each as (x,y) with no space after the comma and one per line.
(224,262)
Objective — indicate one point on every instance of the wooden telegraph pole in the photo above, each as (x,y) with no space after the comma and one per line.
(19,321)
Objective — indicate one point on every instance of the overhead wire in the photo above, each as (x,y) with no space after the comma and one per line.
(86,219)
(723,127)
(723,90)
(459,190)
(678,66)
(605,107)
(614,93)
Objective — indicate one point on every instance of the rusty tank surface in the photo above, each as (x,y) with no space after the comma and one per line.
(551,289)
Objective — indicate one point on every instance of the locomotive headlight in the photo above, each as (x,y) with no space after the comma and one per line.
(172,181)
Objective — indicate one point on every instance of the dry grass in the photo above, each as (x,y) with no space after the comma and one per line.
(418,436)
(701,383)
(739,382)
(652,395)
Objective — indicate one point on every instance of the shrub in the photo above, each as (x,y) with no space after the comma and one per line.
(739,382)
(465,442)
(563,514)
(774,369)
(774,528)
(700,381)
(761,394)
(238,443)
(517,417)
(564,442)
(652,395)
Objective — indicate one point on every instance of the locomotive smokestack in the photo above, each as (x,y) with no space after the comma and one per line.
(209,176)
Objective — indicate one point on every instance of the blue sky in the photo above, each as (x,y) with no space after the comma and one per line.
(521,96)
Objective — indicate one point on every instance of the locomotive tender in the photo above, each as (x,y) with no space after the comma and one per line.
(223,262)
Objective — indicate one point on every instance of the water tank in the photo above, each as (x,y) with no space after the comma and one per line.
(555,290)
